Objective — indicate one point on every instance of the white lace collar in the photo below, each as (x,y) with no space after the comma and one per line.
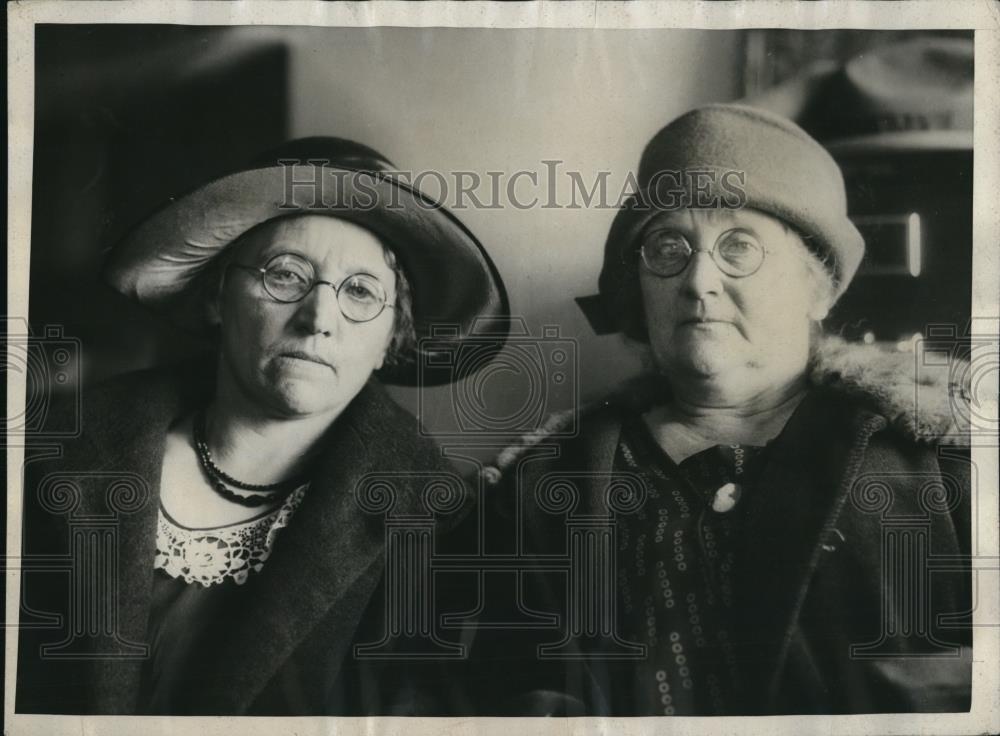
(212,556)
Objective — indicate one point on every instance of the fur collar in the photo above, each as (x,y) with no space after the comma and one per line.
(924,403)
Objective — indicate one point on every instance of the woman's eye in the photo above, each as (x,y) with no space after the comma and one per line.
(360,291)
(283,275)
(668,246)
(738,248)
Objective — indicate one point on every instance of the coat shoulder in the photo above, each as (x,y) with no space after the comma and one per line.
(576,430)
(393,432)
(922,402)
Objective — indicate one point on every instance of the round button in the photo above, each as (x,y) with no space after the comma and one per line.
(726,498)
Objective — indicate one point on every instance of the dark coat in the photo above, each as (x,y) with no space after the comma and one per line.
(290,653)
(855,477)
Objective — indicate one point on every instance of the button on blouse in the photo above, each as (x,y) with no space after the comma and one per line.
(675,572)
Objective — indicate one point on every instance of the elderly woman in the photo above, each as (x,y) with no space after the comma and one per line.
(250,572)
(768,464)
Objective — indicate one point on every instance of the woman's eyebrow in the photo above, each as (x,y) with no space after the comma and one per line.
(279,249)
(353,269)
(671,222)
(350,269)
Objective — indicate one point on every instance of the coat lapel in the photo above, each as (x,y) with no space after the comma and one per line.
(326,564)
(131,450)
(808,481)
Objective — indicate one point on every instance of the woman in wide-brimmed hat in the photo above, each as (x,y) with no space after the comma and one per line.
(252,571)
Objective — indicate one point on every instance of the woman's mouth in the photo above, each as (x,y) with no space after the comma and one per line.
(302,355)
(704,322)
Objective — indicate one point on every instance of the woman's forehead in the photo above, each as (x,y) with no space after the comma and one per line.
(322,239)
(716,217)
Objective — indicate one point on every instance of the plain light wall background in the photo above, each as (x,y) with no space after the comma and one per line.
(498,99)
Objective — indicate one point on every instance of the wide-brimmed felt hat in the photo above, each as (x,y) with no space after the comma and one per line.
(456,289)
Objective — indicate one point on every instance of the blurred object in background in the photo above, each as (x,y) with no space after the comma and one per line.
(127,117)
(897,117)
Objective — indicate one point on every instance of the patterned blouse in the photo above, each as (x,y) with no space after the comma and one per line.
(675,570)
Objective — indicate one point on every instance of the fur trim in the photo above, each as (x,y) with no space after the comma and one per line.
(925,403)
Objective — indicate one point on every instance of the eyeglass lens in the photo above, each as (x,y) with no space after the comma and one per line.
(736,253)
(289,278)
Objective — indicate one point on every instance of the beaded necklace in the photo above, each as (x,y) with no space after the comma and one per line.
(221,481)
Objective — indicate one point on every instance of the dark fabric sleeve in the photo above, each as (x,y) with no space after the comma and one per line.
(525,608)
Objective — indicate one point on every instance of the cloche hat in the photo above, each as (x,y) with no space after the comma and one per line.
(728,153)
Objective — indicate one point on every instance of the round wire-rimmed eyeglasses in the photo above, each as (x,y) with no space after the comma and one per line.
(736,252)
(289,278)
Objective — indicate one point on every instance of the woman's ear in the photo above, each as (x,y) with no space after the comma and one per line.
(385,351)
(824,296)
(820,309)
(213,306)
(213,317)
(823,291)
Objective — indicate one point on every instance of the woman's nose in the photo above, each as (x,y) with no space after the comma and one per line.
(702,276)
(319,311)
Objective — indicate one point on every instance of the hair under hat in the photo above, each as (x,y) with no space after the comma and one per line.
(163,261)
(730,155)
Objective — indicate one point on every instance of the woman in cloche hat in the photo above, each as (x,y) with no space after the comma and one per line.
(252,571)
(767,465)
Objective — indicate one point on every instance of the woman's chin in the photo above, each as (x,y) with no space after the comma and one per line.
(296,398)
(707,360)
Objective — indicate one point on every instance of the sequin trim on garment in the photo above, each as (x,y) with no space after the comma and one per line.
(212,556)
